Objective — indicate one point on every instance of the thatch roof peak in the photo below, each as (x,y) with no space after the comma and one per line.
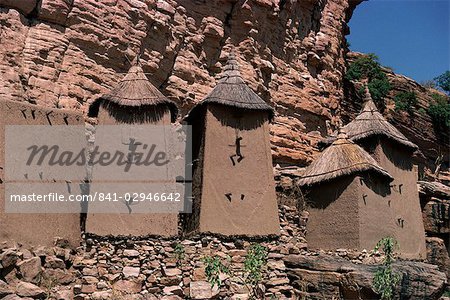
(136,90)
(367,95)
(231,72)
(370,122)
(231,90)
(368,105)
(342,158)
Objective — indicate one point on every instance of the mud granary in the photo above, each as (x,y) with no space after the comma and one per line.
(134,101)
(233,183)
(394,153)
(35,228)
(345,186)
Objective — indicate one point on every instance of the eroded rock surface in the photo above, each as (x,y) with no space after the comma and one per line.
(417,127)
(65,53)
(437,254)
(325,275)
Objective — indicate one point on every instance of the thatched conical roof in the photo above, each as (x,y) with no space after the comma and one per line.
(135,90)
(342,158)
(231,90)
(370,122)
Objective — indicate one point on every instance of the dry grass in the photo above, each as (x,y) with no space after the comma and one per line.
(342,158)
(370,122)
(231,90)
(135,90)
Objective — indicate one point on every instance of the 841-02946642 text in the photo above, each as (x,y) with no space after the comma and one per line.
(97,196)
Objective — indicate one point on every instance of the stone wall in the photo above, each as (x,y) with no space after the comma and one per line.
(146,268)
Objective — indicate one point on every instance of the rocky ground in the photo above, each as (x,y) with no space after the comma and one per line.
(174,269)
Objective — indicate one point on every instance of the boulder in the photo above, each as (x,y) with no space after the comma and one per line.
(9,258)
(5,289)
(434,189)
(131,253)
(328,275)
(26,289)
(173,290)
(437,254)
(436,216)
(23,6)
(13,297)
(172,272)
(202,290)
(30,269)
(54,263)
(64,295)
(55,11)
(131,272)
(128,286)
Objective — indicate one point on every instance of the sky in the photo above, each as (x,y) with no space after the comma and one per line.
(410,36)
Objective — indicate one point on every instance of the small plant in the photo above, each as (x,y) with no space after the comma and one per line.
(179,253)
(428,84)
(254,262)
(347,44)
(439,112)
(48,283)
(214,267)
(368,67)
(405,101)
(443,81)
(385,279)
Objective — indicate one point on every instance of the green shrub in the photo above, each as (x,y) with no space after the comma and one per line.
(405,101)
(179,253)
(385,279)
(443,81)
(439,112)
(253,270)
(368,67)
(213,268)
(254,262)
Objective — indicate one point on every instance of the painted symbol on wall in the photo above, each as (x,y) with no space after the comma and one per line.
(401,222)
(237,148)
(229,196)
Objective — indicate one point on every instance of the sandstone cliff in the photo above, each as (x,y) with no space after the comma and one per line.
(417,127)
(64,53)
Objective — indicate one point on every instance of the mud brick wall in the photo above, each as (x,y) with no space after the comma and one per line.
(34,229)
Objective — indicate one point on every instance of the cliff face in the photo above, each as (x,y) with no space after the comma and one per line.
(417,127)
(65,53)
